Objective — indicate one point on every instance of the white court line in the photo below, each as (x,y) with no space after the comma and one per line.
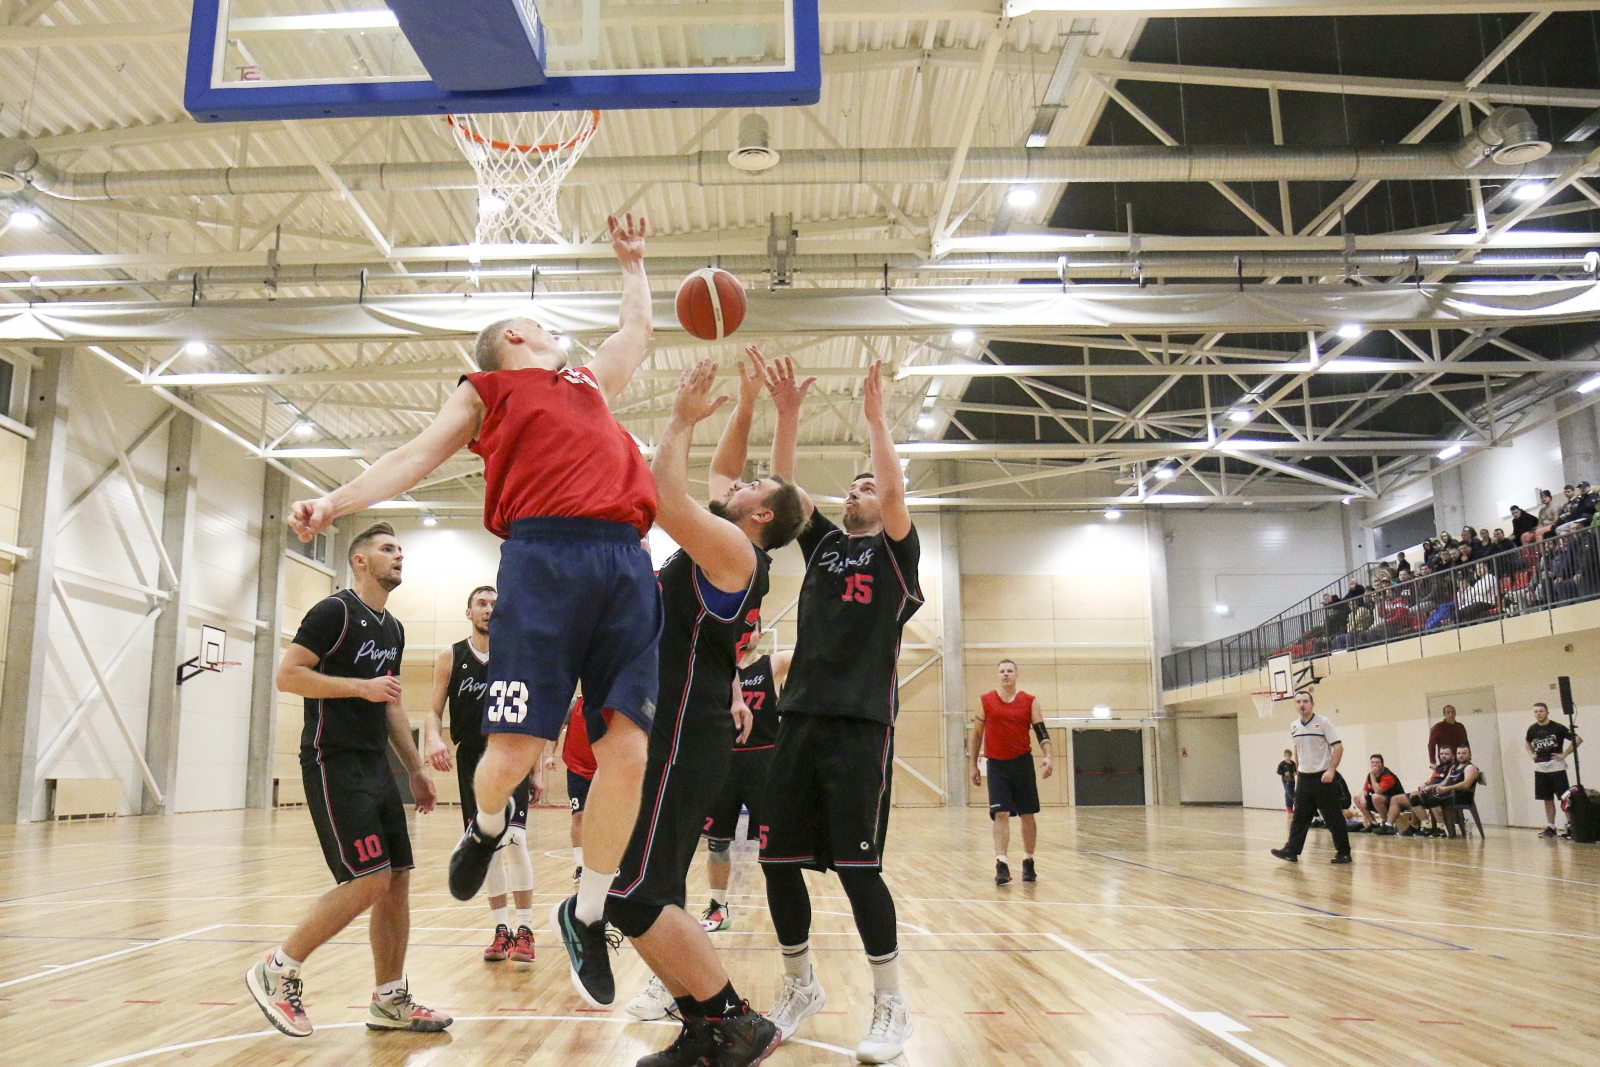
(1212,1022)
(109,955)
(133,1057)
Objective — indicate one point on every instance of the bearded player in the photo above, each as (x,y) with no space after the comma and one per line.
(566,487)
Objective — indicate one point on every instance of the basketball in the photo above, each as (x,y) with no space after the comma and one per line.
(711,303)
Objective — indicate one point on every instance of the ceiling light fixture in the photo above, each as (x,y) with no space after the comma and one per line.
(1222,609)
(1529,191)
(963,336)
(1166,474)
(24,219)
(1112,514)
(429,519)
(1022,196)
(1101,711)
(1350,331)
(195,348)
(1239,415)
(926,422)
(491,204)
(1450,452)
(304,429)
(1589,385)
(1037,140)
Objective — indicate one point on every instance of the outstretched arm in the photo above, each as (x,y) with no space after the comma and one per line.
(727,463)
(718,547)
(621,354)
(787,396)
(397,471)
(886,476)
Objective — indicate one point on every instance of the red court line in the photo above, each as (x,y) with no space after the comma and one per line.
(1524,1026)
(1353,1019)
(68,1000)
(1066,1013)
(219,1003)
(598,1011)
(141,1002)
(1439,1022)
(985,1013)
(1266,1016)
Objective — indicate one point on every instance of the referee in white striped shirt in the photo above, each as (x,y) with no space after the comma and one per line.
(1318,751)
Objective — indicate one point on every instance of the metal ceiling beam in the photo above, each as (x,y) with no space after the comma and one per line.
(94,35)
(1348,365)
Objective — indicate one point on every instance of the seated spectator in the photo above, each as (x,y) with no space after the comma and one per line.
(1500,542)
(1522,525)
(1461,783)
(1443,614)
(1548,514)
(1360,622)
(1477,595)
(1579,512)
(1377,797)
(1335,617)
(1426,799)
(1423,594)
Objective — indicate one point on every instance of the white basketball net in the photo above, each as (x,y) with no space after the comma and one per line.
(1264,703)
(521,159)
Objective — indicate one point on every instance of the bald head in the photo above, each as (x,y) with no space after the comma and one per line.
(517,343)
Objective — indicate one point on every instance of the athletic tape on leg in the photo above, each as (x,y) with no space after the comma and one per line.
(495,884)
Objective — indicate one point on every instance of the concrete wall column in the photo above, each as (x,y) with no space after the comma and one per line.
(952,667)
(259,768)
(164,725)
(1580,441)
(28,626)
(1449,500)
(1167,789)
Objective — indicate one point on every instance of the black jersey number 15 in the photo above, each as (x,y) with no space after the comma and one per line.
(858,587)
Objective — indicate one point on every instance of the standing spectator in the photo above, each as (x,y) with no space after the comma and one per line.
(1377,795)
(1522,525)
(1402,567)
(1286,773)
(1318,751)
(1445,734)
(1000,735)
(1549,743)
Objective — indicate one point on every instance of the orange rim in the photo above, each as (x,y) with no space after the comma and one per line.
(543,149)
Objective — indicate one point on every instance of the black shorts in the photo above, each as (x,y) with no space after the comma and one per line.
(356,807)
(672,809)
(827,803)
(1013,788)
(577,790)
(1550,785)
(1426,800)
(467,766)
(745,787)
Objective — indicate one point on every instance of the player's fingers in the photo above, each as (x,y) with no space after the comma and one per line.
(807,384)
(717,403)
(611,225)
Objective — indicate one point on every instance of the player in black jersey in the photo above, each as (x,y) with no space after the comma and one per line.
(460,679)
(828,790)
(760,680)
(711,594)
(345,661)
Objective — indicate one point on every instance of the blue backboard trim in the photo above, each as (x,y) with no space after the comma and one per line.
(797,87)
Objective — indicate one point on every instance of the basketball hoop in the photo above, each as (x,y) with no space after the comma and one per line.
(1264,700)
(521,158)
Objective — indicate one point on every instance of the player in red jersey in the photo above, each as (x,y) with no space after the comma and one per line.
(1000,734)
(566,487)
(573,745)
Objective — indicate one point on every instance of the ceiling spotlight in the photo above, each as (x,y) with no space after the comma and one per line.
(1450,452)
(926,422)
(1037,140)
(304,429)
(429,519)
(1166,474)
(1022,196)
(1101,711)
(1529,191)
(963,337)
(24,219)
(1347,501)
(1239,415)
(1222,609)
(1112,514)
(491,204)
(1589,385)
(194,348)
(1350,331)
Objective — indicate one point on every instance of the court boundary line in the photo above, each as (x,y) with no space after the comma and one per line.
(63,968)
(1214,1023)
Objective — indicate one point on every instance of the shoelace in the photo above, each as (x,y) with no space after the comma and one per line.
(786,999)
(613,939)
(402,1001)
(291,994)
(882,1019)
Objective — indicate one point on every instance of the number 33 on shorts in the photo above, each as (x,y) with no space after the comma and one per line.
(509,702)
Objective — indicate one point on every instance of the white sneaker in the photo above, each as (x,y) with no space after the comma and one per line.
(891,1025)
(653,1003)
(797,1003)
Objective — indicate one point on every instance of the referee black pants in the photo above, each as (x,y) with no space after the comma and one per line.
(1313,795)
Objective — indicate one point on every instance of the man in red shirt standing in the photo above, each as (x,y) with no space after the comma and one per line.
(1445,734)
(566,487)
(1001,736)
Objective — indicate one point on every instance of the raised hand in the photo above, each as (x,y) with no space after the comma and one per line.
(751,382)
(694,403)
(627,241)
(787,392)
(874,392)
(310,517)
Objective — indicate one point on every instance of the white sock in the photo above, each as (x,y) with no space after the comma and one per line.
(280,962)
(524,918)
(501,917)
(491,823)
(1027,855)
(577,855)
(387,990)
(885,973)
(797,961)
(1002,859)
(592,889)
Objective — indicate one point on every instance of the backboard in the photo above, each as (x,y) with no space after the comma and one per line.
(213,646)
(1280,676)
(302,59)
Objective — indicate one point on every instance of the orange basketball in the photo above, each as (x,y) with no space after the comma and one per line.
(710,303)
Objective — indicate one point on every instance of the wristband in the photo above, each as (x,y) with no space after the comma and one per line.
(1040,732)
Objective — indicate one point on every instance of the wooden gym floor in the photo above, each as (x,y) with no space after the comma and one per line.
(1154,936)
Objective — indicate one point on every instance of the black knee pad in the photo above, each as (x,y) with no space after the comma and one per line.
(714,845)
(631,918)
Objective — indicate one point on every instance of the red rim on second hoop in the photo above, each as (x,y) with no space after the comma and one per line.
(582,135)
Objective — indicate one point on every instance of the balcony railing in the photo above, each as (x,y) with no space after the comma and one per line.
(1537,577)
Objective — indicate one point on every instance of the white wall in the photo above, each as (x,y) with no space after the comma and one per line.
(1496,478)
(1257,562)
(1208,761)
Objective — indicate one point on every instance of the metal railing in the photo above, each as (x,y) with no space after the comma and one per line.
(1536,577)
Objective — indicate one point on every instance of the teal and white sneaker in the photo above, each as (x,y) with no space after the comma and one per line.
(278,997)
(402,1013)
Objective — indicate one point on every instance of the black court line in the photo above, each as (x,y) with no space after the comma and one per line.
(1376,925)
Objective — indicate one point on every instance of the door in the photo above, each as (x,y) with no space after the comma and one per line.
(1108,766)
(1475,709)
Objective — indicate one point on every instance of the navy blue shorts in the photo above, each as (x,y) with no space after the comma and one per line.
(578,790)
(579,606)
(1013,788)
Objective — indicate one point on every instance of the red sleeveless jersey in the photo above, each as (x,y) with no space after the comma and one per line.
(1005,725)
(551,447)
